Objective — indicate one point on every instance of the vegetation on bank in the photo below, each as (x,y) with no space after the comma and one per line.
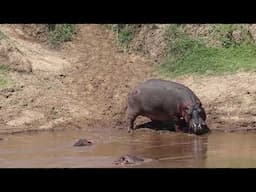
(59,33)
(3,75)
(125,33)
(226,48)
(3,68)
(188,55)
(2,35)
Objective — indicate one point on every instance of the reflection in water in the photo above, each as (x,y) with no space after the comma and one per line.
(164,148)
(172,148)
(234,150)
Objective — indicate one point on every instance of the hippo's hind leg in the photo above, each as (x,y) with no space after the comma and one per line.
(131,122)
(131,117)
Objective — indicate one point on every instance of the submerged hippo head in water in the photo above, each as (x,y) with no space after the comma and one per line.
(82,142)
(162,100)
(128,159)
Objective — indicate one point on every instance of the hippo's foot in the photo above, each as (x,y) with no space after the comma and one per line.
(131,130)
(82,142)
(178,128)
(128,159)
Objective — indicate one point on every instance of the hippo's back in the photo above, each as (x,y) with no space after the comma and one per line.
(167,88)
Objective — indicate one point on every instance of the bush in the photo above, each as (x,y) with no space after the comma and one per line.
(125,33)
(224,33)
(60,33)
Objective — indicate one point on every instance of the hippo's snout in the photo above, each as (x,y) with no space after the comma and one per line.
(198,127)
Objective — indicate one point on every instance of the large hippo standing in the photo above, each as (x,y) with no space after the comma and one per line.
(162,100)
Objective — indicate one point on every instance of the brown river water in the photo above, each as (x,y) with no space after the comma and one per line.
(161,149)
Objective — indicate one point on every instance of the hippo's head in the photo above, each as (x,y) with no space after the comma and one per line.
(195,116)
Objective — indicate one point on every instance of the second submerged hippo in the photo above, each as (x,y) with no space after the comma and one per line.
(128,159)
(82,142)
(162,100)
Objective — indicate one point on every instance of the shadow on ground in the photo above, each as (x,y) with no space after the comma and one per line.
(157,125)
(167,126)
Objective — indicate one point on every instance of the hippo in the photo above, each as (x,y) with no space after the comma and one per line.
(162,100)
(128,159)
(82,142)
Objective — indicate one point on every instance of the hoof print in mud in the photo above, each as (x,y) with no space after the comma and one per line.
(128,159)
(82,142)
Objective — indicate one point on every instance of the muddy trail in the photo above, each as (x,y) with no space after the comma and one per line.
(85,84)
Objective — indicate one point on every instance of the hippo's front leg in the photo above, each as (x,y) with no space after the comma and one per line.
(181,125)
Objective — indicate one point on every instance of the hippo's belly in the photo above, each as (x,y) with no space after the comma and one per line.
(158,116)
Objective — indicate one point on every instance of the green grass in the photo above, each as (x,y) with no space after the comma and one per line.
(124,32)
(125,35)
(193,56)
(3,68)
(59,33)
(2,35)
(3,80)
(3,76)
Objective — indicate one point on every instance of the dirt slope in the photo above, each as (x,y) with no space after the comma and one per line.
(99,82)
(86,84)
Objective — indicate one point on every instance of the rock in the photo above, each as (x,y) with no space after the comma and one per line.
(6,90)
(252,30)
(25,118)
(35,31)
(15,59)
(54,123)
(237,36)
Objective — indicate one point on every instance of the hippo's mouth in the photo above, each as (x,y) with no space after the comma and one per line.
(199,129)
(202,131)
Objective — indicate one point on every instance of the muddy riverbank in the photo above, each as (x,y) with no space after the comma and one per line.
(85,84)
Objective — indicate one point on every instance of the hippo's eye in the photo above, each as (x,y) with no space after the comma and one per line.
(189,112)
